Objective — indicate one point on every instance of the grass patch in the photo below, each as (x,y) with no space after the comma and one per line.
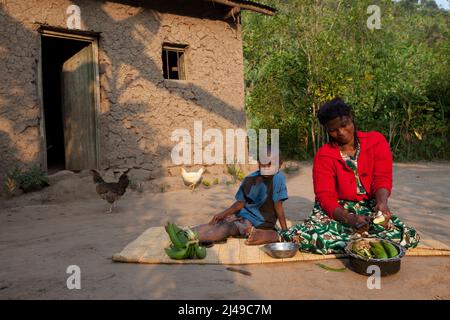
(206,183)
(235,172)
(135,185)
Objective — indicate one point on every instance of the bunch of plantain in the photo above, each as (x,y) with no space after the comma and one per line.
(184,243)
(374,249)
(390,249)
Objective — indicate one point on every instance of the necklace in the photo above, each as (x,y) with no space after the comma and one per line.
(348,153)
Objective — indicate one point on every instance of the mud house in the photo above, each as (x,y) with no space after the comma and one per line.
(101,84)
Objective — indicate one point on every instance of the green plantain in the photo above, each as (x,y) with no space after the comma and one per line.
(390,249)
(184,243)
(192,251)
(174,237)
(177,254)
(182,234)
(191,235)
(378,250)
(200,251)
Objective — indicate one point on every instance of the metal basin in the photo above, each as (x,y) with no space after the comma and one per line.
(281,250)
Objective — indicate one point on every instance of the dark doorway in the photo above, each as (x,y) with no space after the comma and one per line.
(67,81)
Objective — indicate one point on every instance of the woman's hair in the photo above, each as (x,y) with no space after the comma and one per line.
(333,109)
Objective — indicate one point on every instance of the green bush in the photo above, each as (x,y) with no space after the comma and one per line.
(396,78)
(28,180)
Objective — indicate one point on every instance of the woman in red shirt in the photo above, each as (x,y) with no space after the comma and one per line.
(352,177)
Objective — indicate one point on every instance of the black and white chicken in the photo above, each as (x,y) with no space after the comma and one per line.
(111,191)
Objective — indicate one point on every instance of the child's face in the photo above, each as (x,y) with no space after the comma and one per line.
(267,170)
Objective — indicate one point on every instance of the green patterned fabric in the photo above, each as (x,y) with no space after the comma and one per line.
(321,234)
(352,163)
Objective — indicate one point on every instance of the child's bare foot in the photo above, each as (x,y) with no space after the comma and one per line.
(259,236)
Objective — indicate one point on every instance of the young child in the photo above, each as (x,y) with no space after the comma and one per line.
(259,203)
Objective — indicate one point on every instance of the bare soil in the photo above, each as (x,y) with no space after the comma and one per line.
(44,232)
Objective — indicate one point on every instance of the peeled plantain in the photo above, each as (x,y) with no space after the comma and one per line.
(379,218)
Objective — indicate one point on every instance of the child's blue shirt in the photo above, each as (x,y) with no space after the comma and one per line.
(259,195)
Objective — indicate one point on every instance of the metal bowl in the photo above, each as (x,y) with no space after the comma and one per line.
(280,250)
(387,266)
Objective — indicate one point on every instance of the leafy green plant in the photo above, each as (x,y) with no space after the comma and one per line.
(396,78)
(10,186)
(31,179)
(235,172)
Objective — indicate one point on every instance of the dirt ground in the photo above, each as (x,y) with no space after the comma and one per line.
(42,233)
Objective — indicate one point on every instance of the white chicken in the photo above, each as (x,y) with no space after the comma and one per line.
(192,178)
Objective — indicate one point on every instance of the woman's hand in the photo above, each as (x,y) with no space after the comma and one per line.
(382,196)
(355,220)
(359,221)
(383,207)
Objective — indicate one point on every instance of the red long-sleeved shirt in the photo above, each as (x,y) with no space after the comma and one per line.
(334,180)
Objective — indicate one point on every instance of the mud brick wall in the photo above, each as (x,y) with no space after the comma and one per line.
(138,109)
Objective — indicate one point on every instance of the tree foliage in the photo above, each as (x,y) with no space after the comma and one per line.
(396,78)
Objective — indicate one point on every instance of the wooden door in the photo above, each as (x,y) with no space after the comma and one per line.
(78,109)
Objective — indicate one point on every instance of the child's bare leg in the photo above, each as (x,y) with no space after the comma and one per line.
(217,232)
(202,228)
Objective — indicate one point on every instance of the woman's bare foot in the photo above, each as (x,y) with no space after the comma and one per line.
(260,236)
